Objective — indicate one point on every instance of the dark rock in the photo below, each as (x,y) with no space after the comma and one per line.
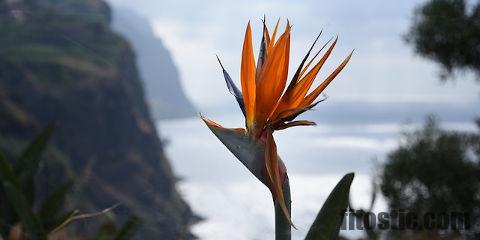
(60,62)
(160,75)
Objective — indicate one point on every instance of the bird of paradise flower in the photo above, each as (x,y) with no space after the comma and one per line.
(268,106)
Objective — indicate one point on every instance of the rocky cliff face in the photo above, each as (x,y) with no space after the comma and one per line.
(60,62)
(162,82)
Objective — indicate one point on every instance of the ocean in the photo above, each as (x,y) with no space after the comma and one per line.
(349,137)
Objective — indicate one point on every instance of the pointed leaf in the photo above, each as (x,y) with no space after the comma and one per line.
(28,161)
(328,221)
(7,174)
(27,164)
(128,229)
(18,201)
(31,224)
(53,204)
(8,215)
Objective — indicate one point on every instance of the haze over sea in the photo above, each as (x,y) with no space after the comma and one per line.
(350,137)
(385,89)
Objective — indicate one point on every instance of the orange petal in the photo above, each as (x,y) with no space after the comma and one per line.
(314,94)
(290,114)
(211,124)
(272,80)
(301,89)
(274,35)
(294,96)
(247,77)
(272,166)
(310,62)
(296,76)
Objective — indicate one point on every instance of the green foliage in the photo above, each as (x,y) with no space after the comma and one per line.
(54,204)
(128,229)
(109,231)
(328,221)
(18,188)
(448,32)
(17,199)
(434,171)
(27,164)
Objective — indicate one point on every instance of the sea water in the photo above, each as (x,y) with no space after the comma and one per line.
(236,205)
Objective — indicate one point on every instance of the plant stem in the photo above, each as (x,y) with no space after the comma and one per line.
(282,225)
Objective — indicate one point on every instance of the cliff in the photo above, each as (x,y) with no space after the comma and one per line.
(163,89)
(60,62)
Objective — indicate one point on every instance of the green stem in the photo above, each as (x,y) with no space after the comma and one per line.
(282,225)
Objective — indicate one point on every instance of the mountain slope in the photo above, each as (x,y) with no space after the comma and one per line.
(60,62)
(157,69)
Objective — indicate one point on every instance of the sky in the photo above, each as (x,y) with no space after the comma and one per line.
(383,68)
(384,82)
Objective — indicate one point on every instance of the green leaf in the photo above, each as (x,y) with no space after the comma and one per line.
(33,151)
(128,229)
(30,223)
(328,221)
(6,172)
(19,203)
(8,215)
(52,205)
(27,164)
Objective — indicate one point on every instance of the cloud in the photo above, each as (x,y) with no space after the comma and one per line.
(382,68)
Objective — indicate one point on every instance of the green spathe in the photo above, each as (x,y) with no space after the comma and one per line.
(244,147)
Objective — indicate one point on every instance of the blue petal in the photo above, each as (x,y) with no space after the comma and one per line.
(232,88)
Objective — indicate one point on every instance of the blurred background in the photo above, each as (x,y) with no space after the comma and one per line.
(124,83)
